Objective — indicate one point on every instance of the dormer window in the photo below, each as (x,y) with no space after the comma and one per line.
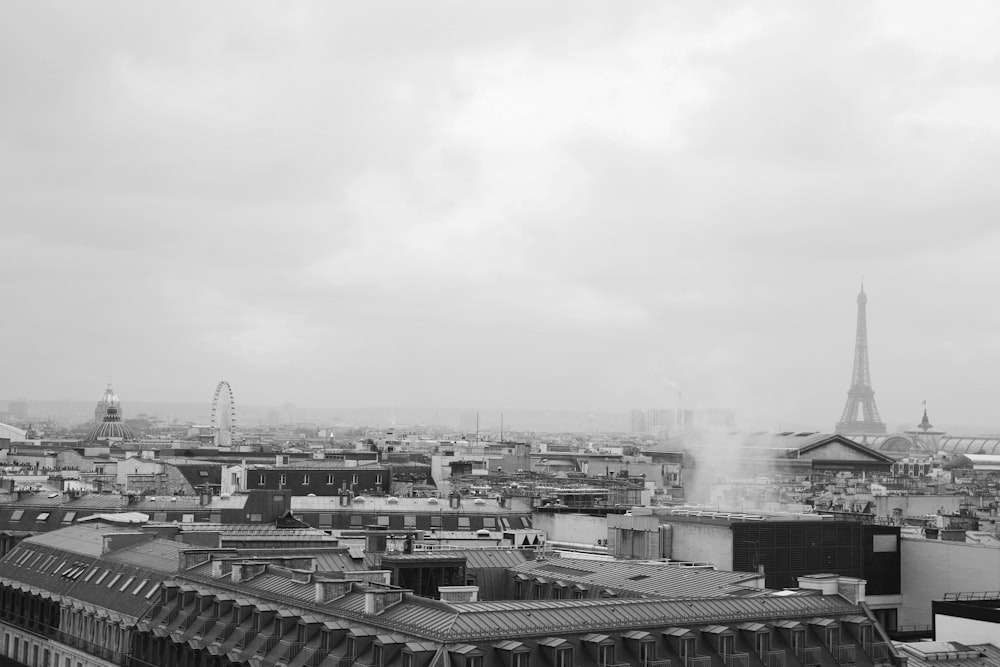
(832,637)
(726,645)
(685,649)
(762,642)
(563,657)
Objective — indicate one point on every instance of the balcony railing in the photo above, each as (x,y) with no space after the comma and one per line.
(877,651)
(775,658)
(654,663)
(808,655)
(290,648)
(697,661)
(225,633)
(737,659)
(267,644)
(845,654)
(242,634)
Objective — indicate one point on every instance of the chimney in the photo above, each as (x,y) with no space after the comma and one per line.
(221,567)
(247,570)
(459,593)
(327,590)
(827,584)
(377,601)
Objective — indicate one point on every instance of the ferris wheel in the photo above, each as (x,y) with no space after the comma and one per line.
(223,415)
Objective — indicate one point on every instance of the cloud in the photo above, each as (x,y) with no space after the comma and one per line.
(500,204)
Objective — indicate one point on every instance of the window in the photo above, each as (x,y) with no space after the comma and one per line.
(260,479)
(474,661)
(101,578)
(383,521)
(519,659)
(42,516)
(326,520)
(463,522)
(884,543)
(68,517)
(726,645)
(762,642)
(282,479)
(647,652)
(305,479)
(160,517)
(16,516)
(142,584)
(377,655)
(128,582)
(202,473)
(489,522)
(832,637)
(352,646)
(378,479)
(436,521)
(798,640)
(114,580)
(606,654)
(356,521)
(686,648)
(525,522)
(256,518)
(408,659)
(329,479)
(563,657)
(354,479)
(410,521)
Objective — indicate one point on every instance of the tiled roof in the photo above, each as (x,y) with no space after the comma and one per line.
(162,555)
(85,501)
(390,505)
(659,579)
(165,503)
(474,558)
(69,563)
(80,539)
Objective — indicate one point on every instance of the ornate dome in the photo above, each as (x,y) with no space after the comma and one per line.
(111,428)
(109,399)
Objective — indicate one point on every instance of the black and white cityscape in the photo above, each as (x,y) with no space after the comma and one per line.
(453,334)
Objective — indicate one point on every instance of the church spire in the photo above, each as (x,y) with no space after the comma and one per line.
(925,423)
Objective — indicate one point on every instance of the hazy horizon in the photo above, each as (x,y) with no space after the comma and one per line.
(562,206)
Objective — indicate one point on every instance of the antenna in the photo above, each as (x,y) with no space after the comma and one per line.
(501,427)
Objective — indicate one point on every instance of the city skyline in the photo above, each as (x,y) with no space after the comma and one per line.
(598,209)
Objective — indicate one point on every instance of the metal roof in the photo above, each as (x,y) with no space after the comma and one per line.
(934,654)
(641,578)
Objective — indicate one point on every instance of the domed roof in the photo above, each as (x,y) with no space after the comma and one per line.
(111,429)
(109,397)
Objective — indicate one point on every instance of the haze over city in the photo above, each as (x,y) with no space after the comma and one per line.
(566,206)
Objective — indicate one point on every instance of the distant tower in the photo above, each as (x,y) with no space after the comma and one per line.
(860,397)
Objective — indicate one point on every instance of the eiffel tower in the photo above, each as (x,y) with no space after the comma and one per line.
(860,397)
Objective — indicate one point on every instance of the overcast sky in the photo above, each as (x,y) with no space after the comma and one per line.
(565,205)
